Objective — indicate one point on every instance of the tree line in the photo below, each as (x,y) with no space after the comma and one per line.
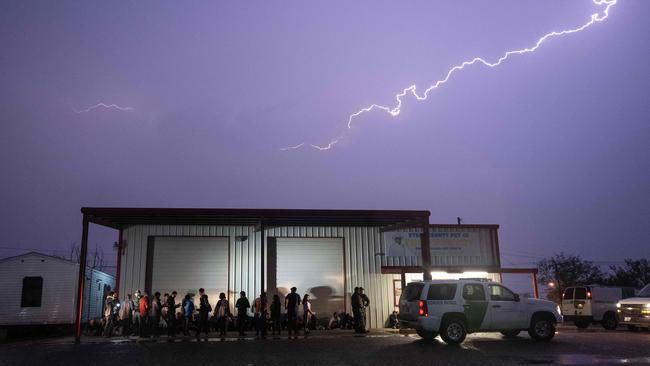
(563,270)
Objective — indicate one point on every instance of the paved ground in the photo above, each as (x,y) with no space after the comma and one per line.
(569,347)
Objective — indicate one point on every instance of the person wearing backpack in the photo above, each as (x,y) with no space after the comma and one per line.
(204,312)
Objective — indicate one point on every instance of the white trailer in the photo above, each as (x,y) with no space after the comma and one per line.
(39,289)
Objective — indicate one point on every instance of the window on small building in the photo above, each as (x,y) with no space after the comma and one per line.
(32,292)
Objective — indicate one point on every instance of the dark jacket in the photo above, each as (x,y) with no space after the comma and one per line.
(276,309)
(242,305)
(171,306)
(204,305)
(356,301)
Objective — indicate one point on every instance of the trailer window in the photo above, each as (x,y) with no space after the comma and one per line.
(581,293)
(442,292)
(413,290)
(32,292)
(568,293)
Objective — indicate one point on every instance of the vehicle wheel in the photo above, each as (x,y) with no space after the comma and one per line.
(609,321)
(633,328)
(427,336)
(542,328)
(511,333)
(582,324)
(453,331)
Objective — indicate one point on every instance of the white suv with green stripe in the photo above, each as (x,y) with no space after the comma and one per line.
(454,308)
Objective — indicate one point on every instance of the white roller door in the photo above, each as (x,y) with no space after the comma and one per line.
(185,264)
(314,266)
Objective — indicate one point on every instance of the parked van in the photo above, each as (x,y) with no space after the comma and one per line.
(583,305)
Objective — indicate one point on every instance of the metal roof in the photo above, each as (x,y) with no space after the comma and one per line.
(122,217)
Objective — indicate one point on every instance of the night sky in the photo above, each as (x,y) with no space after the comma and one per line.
(554,145)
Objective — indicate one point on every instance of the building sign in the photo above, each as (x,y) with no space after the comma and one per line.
(449,246)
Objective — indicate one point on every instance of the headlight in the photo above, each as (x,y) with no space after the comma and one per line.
(618,305)
(559,309)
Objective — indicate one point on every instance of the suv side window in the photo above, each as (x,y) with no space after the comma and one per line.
(474,292)
(500,293)
(442,291)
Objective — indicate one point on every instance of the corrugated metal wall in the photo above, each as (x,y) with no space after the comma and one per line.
(362,265)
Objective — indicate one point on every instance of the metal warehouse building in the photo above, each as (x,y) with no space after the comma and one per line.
(322,252)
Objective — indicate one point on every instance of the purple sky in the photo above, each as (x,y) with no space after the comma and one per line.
(553,145)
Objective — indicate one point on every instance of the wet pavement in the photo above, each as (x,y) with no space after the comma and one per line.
(592,346)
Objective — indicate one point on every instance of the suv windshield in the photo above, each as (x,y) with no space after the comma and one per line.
(645,292)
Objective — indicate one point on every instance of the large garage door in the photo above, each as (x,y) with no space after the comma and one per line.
(186,264)
(314,266)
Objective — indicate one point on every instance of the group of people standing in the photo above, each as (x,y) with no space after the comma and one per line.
(145,316)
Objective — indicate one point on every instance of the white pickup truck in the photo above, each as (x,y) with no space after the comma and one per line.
(454,308)
(635,311)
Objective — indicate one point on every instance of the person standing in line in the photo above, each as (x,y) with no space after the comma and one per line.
(222,314)
(155,310)
(204,312)
(242,306)
(365,302)
(276,314)
(126,315)
(259,315)
(188,313)
(109,307)
(136,312)
(306,312)
(356,309)
(171,314)
(291,304)
(144,313)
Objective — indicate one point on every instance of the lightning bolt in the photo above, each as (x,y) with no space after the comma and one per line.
(412,89)
(107,106)
(293,147)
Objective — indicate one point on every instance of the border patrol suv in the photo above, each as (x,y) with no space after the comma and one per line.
(454,308)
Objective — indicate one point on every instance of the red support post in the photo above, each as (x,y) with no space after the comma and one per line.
(535,285)
(81,282)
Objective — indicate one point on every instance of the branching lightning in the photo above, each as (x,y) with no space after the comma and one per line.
(103,105)
(395,111)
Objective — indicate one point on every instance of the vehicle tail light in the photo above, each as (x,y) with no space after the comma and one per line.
(589,295)
(424,311)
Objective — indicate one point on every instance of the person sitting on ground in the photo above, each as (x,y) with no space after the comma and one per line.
(393,321)
(334,321)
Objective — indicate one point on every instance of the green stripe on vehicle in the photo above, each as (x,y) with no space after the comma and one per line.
(475,312)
